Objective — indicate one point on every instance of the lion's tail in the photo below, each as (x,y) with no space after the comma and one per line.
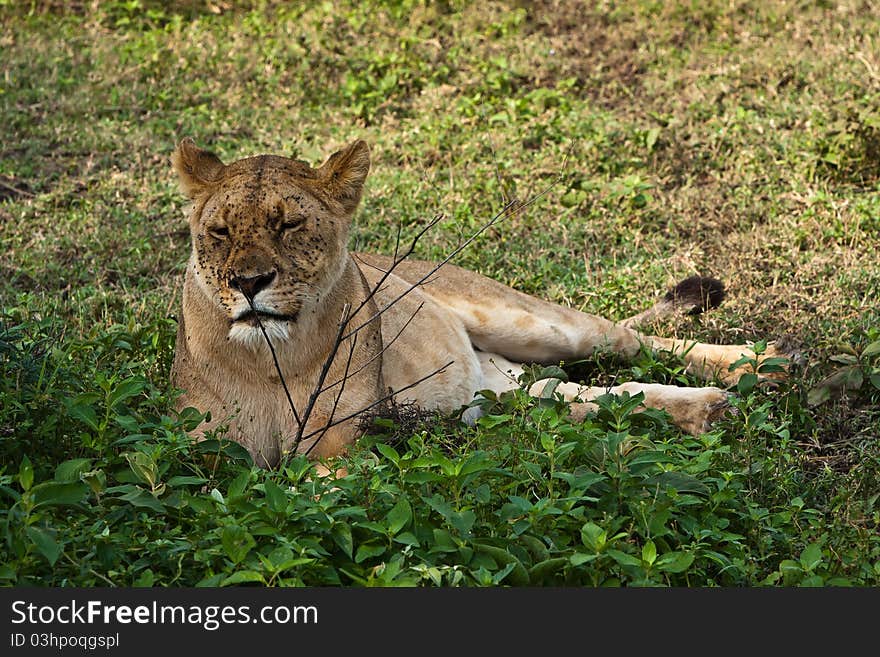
(691,296)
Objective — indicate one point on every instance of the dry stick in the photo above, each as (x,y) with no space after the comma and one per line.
(510,208)
(16,190)
(382,350)
(394,264)
(325,369)
(373,405)
(342,381)
(274,357)
(343,325)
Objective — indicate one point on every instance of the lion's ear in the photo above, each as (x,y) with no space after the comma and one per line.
(344,172)
(198,169)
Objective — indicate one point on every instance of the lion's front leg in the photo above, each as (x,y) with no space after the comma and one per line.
(713,361)
(692,409)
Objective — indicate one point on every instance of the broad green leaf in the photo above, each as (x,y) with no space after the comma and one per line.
(243,577)
(388,452)
(770,365)
(145,579)
(275,496)
(184,480)
(407,538)
(45,543)
(623,558)
(399,516)
(53,493)
(236,542)
(463,521)
(579,558)
(368,551)
(674,562)
(545,569)
(277,558)
(238,485)
(72,470)
(477,462)
(680,481)
(341,533)
(811,556)
(498,577)
(96,480)
(137,496)
(649,552)
(143,466)
(747,383)
(549,388)
(593,536)
(228,448)
(82,408)
(26,473)
(518,575)
(580,480)
(125,390)
(871,349)
(492,421)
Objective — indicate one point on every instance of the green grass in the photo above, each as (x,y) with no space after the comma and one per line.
(738,141)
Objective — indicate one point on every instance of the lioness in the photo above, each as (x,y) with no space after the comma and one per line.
(269,265)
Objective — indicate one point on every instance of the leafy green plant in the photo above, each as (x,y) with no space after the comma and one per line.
(854,368)
(675,162)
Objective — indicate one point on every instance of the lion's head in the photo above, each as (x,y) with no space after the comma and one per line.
(268,233)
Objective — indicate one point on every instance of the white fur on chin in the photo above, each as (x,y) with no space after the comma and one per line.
(251,337)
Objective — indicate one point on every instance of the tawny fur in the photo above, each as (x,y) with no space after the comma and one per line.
(275,230)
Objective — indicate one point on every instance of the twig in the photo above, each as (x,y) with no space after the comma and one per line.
(325,369)
(342,381)
(15,190)
(274,358)
(382,400)
(394,264)
(511,207)
(384,347)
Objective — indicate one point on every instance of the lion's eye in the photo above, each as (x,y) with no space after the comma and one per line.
(220,232)
(292,224)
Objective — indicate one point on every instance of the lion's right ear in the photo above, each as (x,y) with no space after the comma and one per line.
(198,169)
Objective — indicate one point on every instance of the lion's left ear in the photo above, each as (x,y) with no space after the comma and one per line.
(344,172)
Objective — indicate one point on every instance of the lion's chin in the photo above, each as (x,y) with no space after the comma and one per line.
(246,332)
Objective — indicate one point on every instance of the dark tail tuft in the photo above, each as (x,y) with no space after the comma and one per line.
(697,294)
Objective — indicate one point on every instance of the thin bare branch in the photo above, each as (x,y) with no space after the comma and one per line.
(274,358)
(511,208)
(342,381)
(384,347)
(325,369)
(343,333)
(382,400)
(397,261)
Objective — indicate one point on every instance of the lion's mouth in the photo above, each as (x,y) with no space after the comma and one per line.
(253,318)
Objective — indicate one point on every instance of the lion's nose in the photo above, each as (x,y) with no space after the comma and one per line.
(250,286)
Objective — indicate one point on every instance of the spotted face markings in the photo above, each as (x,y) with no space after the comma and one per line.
(261,222)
